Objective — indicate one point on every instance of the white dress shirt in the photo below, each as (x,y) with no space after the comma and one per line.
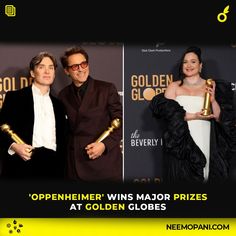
(44,133)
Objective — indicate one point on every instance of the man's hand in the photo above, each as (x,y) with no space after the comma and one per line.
(23,150)
(95,150)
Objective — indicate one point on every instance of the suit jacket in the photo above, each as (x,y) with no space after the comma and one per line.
(88,119)
(18,112)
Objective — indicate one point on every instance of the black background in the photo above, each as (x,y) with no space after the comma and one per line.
(15,200)
(130,22)
(134,22)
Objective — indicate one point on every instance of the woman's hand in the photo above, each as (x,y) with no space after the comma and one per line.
(198,116)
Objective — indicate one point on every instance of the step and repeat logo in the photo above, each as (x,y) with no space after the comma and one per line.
(8,83)
(146,86)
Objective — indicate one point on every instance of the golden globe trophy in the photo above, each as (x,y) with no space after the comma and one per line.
(7,129)
(115,124)
(206,110)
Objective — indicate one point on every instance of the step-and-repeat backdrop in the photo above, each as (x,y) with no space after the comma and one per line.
(105,61)
(148,70)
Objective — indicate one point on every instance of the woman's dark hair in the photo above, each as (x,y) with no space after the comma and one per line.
(193,49)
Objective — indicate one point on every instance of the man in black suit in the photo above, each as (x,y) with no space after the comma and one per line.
(38,119)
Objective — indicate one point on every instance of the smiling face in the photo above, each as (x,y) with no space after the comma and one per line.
(81,73)
(191,65)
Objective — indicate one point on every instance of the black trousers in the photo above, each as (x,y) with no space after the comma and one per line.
(44,164)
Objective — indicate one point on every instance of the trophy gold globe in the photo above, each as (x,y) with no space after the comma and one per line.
(115,124)
(7,129)
(206,110)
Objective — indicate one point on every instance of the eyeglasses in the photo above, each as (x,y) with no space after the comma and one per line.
(75,67)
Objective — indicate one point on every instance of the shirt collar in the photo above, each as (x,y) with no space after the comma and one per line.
(37,91)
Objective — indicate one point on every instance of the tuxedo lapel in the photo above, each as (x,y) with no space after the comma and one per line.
(29,105)
(24,119)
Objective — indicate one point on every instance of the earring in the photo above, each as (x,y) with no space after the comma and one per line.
(200,69)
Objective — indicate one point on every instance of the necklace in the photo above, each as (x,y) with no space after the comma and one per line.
(197,83)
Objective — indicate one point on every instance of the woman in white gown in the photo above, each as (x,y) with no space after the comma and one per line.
(199,129)
(198,146)
(189,93)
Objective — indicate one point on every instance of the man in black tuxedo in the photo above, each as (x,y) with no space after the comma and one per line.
(38,119)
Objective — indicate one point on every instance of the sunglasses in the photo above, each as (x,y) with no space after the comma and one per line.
(83,65)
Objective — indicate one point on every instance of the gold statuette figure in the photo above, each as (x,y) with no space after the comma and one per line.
(206,110)
(115,124)
(6,129)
